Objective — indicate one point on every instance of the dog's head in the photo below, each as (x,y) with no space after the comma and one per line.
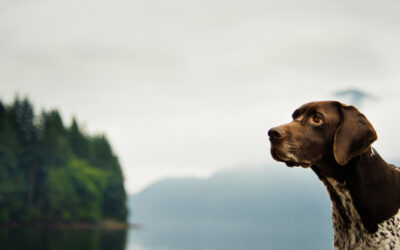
(320,130)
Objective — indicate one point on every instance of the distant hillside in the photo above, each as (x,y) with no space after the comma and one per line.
(273,207)
(50,173)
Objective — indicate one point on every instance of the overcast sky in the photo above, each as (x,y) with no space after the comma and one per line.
(191,87)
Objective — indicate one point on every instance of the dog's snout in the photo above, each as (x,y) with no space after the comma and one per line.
(275,133)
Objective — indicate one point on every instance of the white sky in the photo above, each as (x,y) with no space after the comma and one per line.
(191,87)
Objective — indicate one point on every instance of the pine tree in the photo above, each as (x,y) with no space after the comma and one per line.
(50,173)
(55,149)
(114,196)
(78,141)
(23,121)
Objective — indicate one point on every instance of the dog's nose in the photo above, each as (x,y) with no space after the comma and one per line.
(275,133)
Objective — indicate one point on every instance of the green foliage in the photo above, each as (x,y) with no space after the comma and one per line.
(50,173)
(78,142)
(75,191)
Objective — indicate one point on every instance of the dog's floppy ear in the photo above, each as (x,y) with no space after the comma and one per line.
(353,135)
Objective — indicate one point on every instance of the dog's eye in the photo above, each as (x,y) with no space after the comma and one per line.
(316,119)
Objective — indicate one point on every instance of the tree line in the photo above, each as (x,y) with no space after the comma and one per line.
(53,173)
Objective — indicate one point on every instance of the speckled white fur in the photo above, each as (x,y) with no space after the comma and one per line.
(354,235)
(373,152)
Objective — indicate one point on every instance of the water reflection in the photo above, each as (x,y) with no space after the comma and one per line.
(61,239)
(190,238)
(230,239)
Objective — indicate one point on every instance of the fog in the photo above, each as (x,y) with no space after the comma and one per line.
(186,88)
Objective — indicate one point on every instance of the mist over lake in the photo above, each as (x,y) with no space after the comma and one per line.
(155,113)
(268,207)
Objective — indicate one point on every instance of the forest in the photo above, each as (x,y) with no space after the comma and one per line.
(52,173)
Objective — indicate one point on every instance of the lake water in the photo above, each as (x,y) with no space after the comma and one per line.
(57,239)
(164,239)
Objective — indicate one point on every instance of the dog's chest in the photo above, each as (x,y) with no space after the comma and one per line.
(350,232)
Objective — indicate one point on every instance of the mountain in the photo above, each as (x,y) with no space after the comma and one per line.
(356,97)
(271,207)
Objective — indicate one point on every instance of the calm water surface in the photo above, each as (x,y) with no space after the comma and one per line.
(163,239)
(61,239)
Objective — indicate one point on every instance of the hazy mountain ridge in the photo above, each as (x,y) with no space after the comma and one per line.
(273,207)
(268,197)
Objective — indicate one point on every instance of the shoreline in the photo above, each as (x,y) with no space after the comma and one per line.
(101,225)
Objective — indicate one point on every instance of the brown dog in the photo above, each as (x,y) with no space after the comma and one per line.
(334,140)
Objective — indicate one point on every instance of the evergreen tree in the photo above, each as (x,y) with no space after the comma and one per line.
(78,141)
(12,195)
(54,142)
(114,197)
(49,173)
(23,119)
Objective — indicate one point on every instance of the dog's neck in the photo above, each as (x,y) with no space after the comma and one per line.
(363,166)
(373,186)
